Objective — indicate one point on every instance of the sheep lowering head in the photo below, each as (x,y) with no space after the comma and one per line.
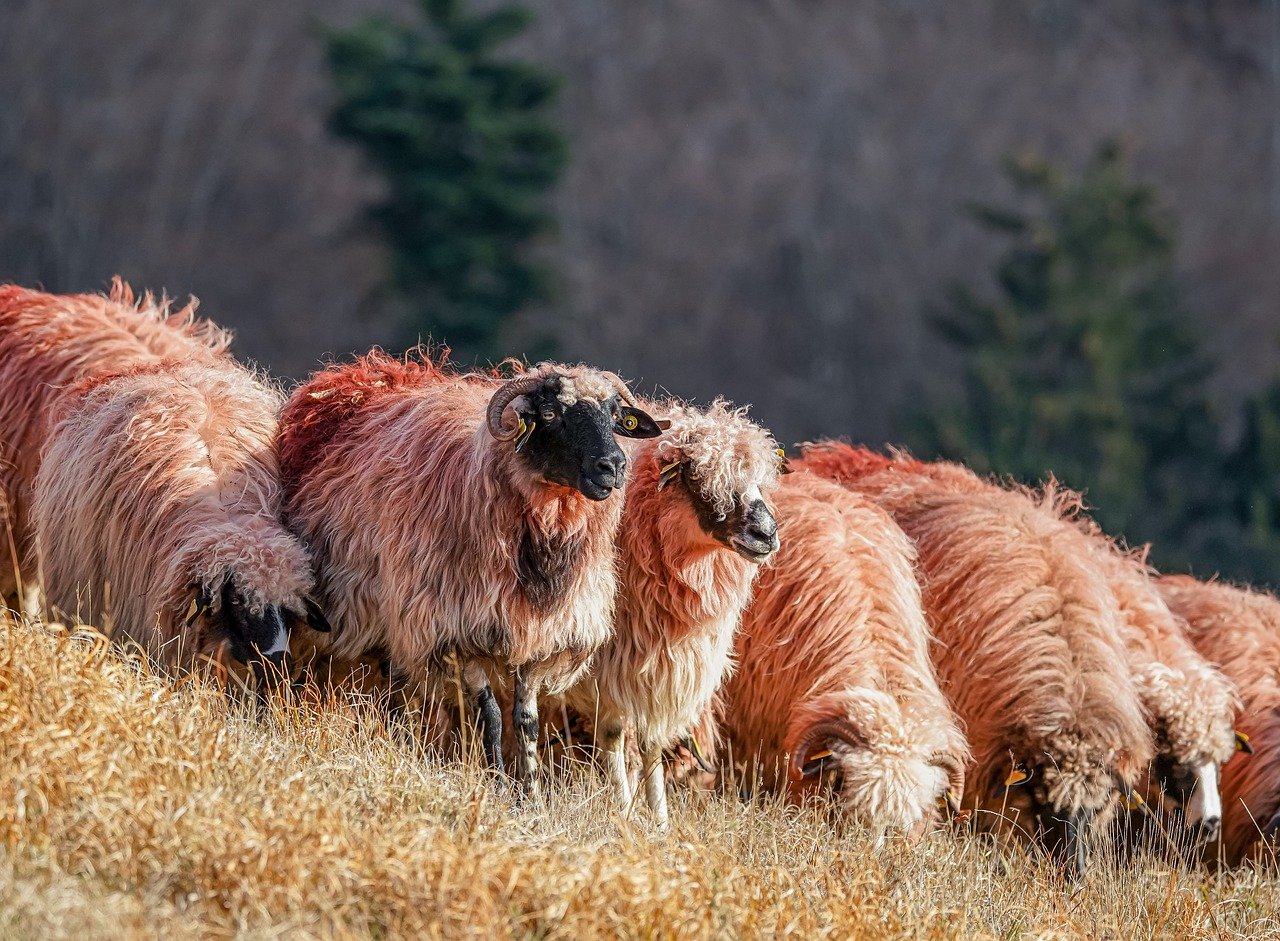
(157,516)
(462,516)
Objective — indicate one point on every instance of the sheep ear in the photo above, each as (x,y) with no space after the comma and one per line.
(315,616)
(784,465)
(633,423)
(1243,744)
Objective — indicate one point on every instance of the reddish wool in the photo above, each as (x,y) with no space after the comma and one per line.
(49,342)
(1029,649)
(836,634)
(1238,629)
(154,481)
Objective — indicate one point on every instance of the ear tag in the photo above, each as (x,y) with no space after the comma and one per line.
(1133,800)
(1019,775)
(668,474)
(813,764)
(525,433)
(195,610)
(698,756)
(1243,744)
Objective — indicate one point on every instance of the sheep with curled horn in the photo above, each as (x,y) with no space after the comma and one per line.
(1238,630)
(157,514)
(834,692)
(50,342)
(457,515)
(695,528)
(1029,649)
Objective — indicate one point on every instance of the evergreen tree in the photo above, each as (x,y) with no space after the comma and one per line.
(462,140)
(1082,365)
(1251,547)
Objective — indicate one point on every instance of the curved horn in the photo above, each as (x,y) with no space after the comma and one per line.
(827,728)
(955,775)
(623,392)
(502,398)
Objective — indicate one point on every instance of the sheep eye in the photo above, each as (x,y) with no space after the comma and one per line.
(548,415)
(631,423)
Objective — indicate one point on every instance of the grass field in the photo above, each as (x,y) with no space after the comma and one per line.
(134,806)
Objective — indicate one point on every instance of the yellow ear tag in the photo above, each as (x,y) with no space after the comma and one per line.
(525,433)
(1243,744)
(668,474)
(1133,800)
(193,611)
(1017,776)
(781,452)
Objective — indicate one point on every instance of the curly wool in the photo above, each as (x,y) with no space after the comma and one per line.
(1028,651)
(156,480)
(1238,630)
(49,342)
(836,633)
(681,592)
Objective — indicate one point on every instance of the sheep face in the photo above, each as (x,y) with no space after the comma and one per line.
(569,439)
(256,635)
(748,527)
(1189,791)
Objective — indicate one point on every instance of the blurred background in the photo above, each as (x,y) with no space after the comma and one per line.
(1036,235)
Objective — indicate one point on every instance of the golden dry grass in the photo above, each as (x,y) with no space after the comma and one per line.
(134,806)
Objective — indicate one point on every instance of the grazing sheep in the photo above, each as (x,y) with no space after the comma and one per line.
(157,516)
(1028,649)
(833,687)
(49,342)
(1238,630)
(444,528)
(694,529)
(1189,705)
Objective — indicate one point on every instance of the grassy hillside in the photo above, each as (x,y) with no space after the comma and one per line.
(131,803)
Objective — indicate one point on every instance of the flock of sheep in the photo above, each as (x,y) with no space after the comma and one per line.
(924,646)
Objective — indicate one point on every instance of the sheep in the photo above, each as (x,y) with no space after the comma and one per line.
(695,528)
(1238,630)
(1189,705)
(833,687)
(1028,647)
(49,342)
(157,516)
(442,529)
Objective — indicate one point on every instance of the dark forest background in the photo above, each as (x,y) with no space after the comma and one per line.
(1040,236)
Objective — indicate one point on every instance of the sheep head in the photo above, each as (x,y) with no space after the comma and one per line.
(565,426)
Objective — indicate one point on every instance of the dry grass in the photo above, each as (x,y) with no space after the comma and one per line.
(131,805)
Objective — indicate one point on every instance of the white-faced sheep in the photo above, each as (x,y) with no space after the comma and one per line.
(833,688)
(1028,648)
(157,516)
(1238,629)
(49,342)
(457,515)
(694,529)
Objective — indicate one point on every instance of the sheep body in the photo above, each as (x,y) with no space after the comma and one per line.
(49,342)
(1028,648)
(835,638)
(158,479)
(682,590)
(1238,630)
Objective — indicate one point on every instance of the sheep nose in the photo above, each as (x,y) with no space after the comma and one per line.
(761,525)
(611,466)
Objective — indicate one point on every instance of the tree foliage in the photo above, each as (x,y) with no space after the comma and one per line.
(1081,363)
(462,139)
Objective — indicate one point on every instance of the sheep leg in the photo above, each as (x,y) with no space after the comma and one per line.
(524,721)
(614,744)
(655,785)
(481,695)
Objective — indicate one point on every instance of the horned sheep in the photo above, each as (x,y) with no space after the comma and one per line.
(157,516)
(456,515)
(695,528)
(1028,648)
(49,342)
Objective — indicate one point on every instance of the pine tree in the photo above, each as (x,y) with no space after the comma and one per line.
(462,140)
(1083,365)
